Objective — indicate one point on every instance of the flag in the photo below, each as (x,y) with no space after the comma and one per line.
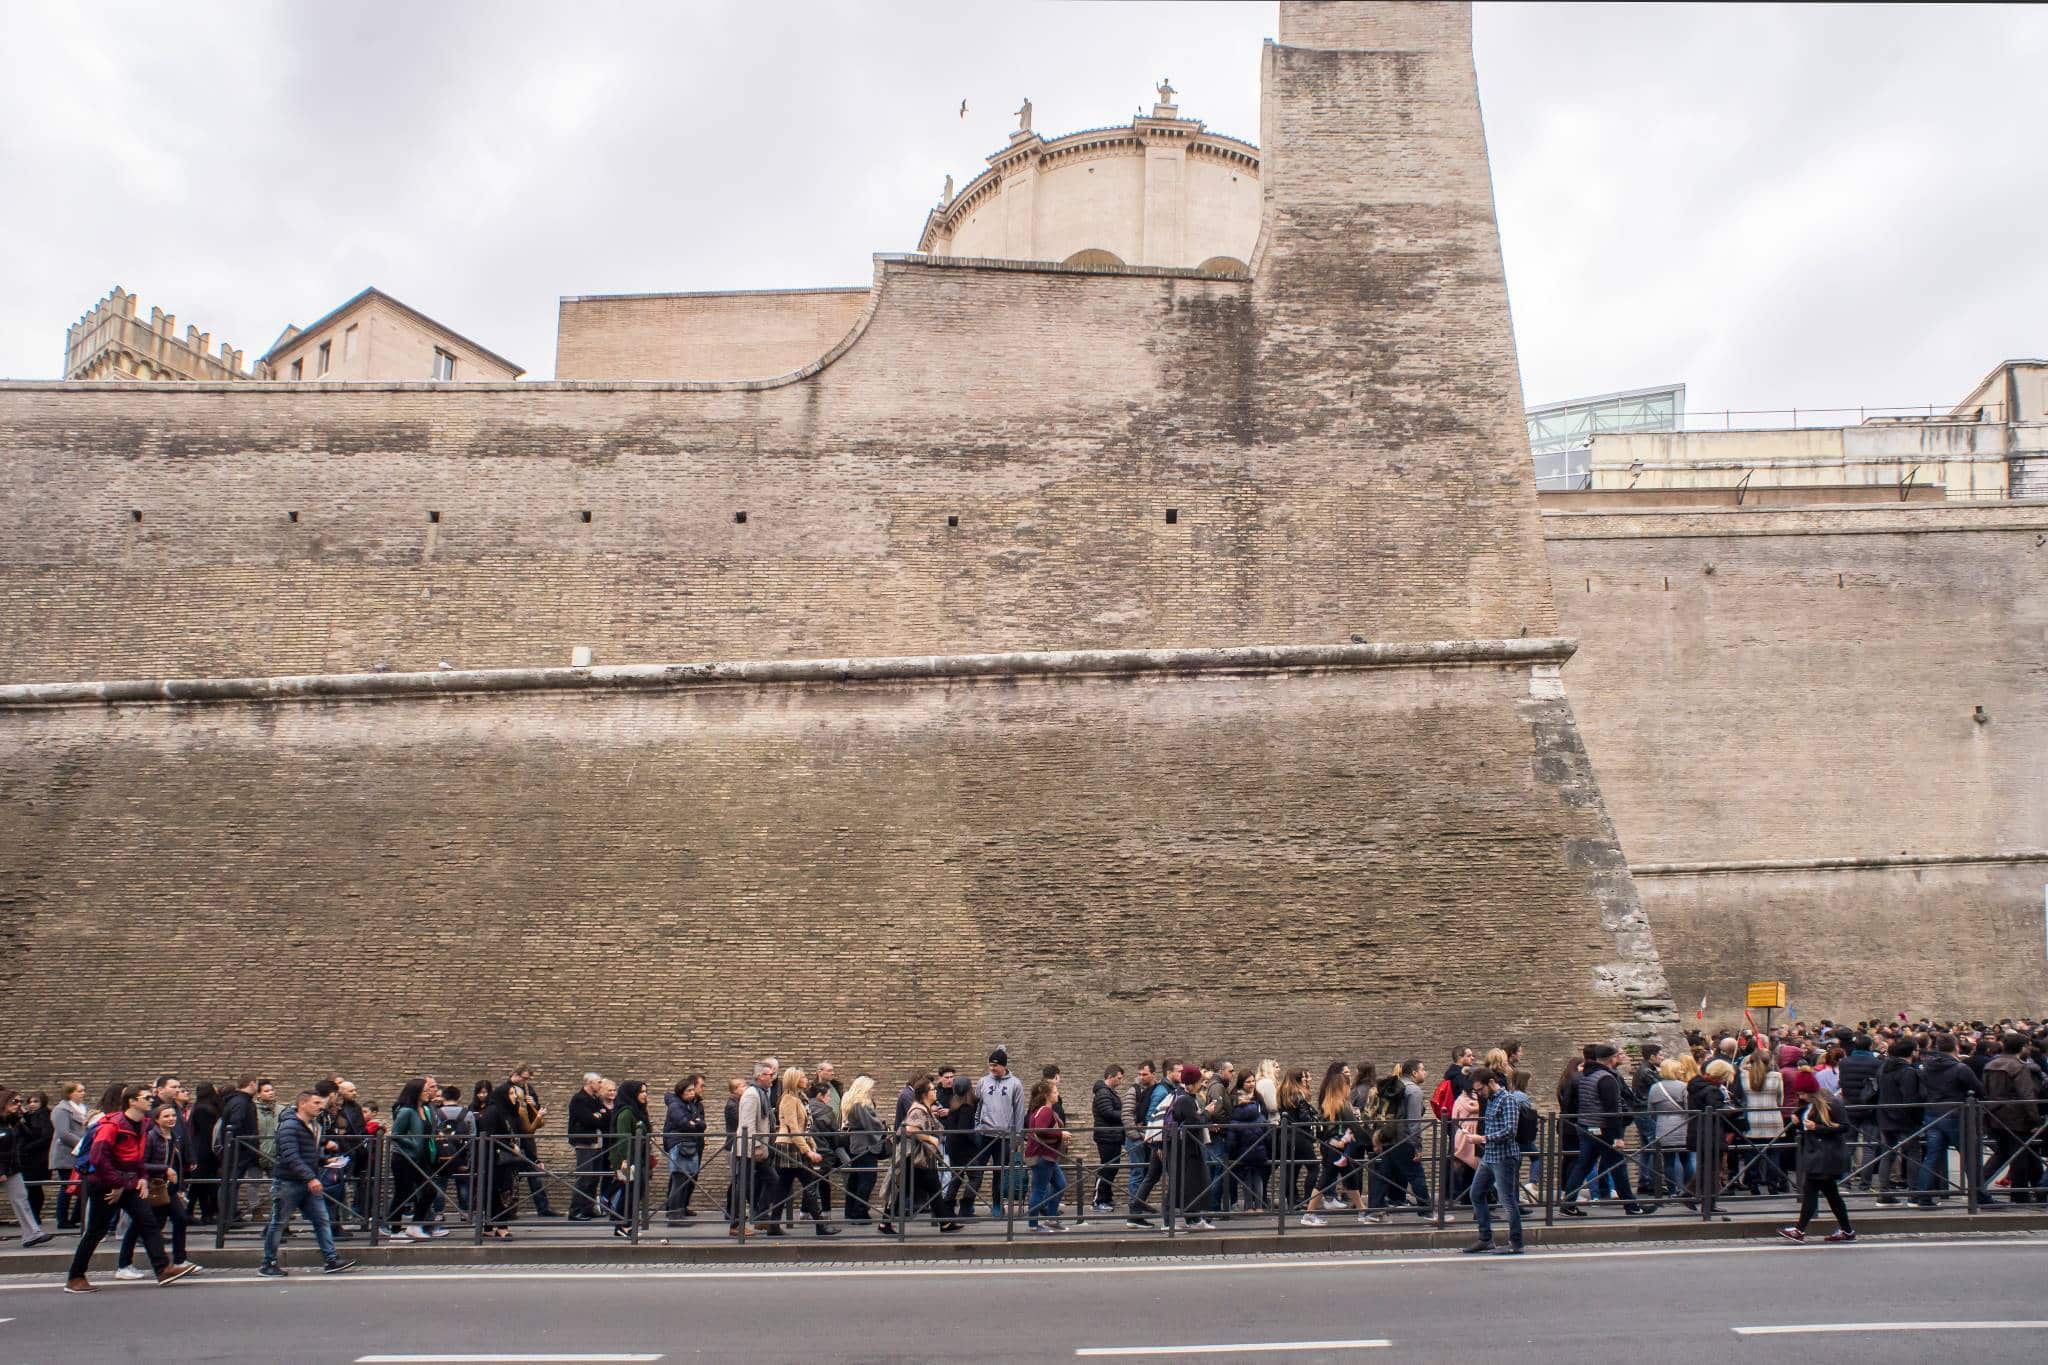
(1791,1013)
(1701,1012)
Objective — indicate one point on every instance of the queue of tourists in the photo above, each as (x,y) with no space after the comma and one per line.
(1877,1105)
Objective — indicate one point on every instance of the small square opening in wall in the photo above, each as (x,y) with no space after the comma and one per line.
(433,518)
(135,514)
(952,521)
(292,517)
(739,518)
(1172,516)
(585,515)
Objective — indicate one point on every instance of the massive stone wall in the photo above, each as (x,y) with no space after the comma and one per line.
(997,457)
(1781,705)
(1303,862)
(749,334)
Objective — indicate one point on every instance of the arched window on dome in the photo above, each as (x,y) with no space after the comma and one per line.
(1093,256)
(1224,265)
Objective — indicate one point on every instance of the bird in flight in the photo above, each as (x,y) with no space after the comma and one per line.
(963,108)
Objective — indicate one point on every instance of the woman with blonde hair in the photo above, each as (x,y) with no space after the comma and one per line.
(798,1158)
(1672,1133)
(1763,1105)
(865,1142)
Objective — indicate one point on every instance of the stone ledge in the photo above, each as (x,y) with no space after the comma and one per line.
(1704,869)
(913,669)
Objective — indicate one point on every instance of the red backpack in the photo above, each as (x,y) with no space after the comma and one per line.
(1446,1095)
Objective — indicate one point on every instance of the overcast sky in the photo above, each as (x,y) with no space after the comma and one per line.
(1778,207)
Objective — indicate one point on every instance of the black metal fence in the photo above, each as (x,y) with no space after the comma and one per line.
(1277,1175)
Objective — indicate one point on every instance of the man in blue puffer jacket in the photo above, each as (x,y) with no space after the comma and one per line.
(296,1185)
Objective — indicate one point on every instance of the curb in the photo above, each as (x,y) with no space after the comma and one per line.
(758,1252)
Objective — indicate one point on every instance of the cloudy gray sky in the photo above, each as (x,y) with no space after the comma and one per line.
(1779,207)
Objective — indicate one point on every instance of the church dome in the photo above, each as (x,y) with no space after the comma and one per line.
(1160,190)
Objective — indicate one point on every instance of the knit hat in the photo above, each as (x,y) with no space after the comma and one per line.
(1191,1075)
(1000,1057)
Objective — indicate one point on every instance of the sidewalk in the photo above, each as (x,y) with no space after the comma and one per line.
(708,1245)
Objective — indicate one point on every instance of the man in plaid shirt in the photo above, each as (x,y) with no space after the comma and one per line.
(1500,1160)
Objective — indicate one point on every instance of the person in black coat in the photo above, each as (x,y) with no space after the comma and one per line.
(1823,1158)
(201,1121)
(1187,1164)
(682,1141)
(1900,1097)
(38,1131)
(500,1128)
(1108,1117)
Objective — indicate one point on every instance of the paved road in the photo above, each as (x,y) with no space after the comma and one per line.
(1665,1304)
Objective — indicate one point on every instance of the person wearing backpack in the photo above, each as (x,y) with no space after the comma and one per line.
(1395,1120)
(2012,1111)
(1504,1116)
(113,1182)
(1856,1076)
(1159,1101)
(1185,1127)
(1137,1107)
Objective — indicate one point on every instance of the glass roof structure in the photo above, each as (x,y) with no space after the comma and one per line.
(1561,434)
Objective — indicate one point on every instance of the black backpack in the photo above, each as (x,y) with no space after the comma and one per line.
(1526,1124)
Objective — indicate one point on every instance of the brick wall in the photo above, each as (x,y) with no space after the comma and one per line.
(755,334)
(1305,865)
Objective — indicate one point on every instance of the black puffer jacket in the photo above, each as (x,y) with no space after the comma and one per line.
(1858,1073)
(1947,1083)
(1109,1116)
(1899,1096)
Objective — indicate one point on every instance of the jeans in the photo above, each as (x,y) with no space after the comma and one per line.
(1491,1179)
(1599,1159)
(682,1180)
(99,1217)
(1943,1135)
(24,1214)
(1252,1177)
(173,1213)
(1681,1167)
(1219,1175)
(1136,1163)
(1145,1175)
(1399,1172)
(285,1196)
(1048,1183)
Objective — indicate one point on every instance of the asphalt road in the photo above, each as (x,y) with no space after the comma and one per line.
(1664,1304)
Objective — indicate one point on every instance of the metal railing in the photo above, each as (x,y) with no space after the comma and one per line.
(1270,1175)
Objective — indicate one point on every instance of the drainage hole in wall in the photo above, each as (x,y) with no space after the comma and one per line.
(1172,515)
(739,518)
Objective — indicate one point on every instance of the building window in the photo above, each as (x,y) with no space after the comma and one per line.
(299,368)
(348,343)
(444,364)
(326,355)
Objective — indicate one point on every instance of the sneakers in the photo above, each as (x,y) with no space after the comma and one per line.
(78,1284)
(437,1231)
(1477,1249)
(1571,1210)
(1137,1220)
(36,1240)
(271,1270)
(1840,1235)
(1201,1225)
(337,1266)
(131,1272)
(1312,1220)
(1792,1234)
(1511,1249)
(171,1274)
(1102,1208)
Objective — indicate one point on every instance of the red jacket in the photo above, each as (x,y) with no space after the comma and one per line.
(118,1148)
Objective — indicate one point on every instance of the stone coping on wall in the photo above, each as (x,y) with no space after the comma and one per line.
(932,668)
(1876,862)
(1640,523)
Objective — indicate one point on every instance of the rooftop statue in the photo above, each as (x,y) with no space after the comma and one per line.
(1024,116)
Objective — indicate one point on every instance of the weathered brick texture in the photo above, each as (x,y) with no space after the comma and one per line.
(1304,865)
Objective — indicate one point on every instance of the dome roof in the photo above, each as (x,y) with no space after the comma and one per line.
(1160,190)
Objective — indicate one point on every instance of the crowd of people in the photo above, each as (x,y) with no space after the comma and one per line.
(1878,1104)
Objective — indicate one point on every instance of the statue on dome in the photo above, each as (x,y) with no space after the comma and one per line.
(1024,116)
(946,195)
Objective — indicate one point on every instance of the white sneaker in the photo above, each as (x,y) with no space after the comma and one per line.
(130,1272)
(437,1232)
(1103,1208)
(1372,1218)
(1310,1220)
(416,1232)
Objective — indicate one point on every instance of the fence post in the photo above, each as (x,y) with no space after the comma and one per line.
(1707,1158)
(376,1153)
(230,1197)
(1972,1153)
(1440,1139)
(1283,1135)
(479,1187)
(899,1186)
(743,1184)
(636,1153)
(1547,1143)
(1005,1153)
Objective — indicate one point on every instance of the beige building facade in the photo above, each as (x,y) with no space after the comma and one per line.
(1993,444)
(1160,190)
(112,341)
(375,337)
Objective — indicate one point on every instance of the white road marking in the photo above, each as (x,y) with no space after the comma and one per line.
(1240,1348)
(504,1360)
(1506,1265)
(1801,1328)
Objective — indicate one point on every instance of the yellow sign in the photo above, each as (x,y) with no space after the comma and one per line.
(1766,995)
